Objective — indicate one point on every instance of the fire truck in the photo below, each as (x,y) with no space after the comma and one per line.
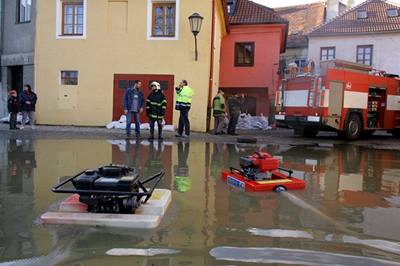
(351,99)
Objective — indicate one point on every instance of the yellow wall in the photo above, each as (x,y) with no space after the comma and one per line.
(116,42)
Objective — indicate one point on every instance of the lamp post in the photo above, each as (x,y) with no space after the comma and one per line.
(195,21)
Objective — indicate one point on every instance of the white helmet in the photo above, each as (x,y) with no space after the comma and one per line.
(156,84)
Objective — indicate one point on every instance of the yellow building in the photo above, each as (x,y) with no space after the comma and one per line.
(89,51)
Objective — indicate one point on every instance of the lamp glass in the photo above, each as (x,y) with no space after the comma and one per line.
(195,21)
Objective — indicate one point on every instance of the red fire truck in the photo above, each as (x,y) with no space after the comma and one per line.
(348,98)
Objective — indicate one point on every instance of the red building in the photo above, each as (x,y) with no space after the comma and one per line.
(250,54)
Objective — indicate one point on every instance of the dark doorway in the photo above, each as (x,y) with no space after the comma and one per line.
(250,104)
(15,78)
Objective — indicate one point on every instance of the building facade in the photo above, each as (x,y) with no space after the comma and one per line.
(367,34)
(17,47)
(90,51)
(250,54)
(303,19)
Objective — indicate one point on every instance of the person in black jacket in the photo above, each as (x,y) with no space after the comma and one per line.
(156,105)
(28,105)
(13,109)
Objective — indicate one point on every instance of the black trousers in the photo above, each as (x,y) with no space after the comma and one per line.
(184,123)
(152,123)
(13,120)
(233,120)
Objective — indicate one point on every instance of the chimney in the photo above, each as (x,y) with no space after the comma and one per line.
(332,9)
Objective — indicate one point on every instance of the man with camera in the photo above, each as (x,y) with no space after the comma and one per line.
(183,104)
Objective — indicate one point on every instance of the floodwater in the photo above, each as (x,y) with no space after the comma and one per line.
(349,214)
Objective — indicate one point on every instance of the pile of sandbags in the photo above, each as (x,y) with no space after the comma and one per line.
(247,122)
(121,124)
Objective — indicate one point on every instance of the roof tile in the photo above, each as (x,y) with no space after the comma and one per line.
(248,12)
(376,22)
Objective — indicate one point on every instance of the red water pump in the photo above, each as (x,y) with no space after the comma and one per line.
(259,166)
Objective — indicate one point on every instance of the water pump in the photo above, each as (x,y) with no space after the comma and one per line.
(110,189)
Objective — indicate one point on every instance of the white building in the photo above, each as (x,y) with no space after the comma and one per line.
(368,34)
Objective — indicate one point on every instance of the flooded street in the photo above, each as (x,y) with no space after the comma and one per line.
(348,214)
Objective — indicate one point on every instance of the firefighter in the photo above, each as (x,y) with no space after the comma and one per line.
(183,104)
(156,105)
(219,112)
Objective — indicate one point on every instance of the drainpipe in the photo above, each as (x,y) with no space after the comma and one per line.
(210,81)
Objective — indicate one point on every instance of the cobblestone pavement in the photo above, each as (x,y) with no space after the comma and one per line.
(380,140)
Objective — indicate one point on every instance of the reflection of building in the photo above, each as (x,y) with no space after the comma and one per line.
(149,158)
(391,181)
(16,199)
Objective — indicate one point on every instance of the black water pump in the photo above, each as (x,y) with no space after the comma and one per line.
(110,189)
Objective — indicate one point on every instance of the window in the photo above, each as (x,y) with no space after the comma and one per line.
(230,5)
(24,11)
(72,18)
(362,14)
(69,77)
(392,12)
(327,53)
(163,19)
(244,54)
(364,54)
(301,63)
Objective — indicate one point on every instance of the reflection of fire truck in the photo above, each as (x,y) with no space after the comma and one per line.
(348,98)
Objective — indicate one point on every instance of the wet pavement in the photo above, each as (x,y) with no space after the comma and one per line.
(347,215)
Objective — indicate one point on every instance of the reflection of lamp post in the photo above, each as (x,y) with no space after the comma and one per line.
(195,26)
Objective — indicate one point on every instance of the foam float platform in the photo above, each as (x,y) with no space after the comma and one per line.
(147,216)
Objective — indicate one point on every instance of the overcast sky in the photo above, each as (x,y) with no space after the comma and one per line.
(276,3)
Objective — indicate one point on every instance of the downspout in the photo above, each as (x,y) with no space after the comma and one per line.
(212,54)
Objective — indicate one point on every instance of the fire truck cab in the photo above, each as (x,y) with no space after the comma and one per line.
(348,98)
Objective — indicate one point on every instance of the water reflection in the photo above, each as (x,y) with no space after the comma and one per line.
(348,207)
(16,199)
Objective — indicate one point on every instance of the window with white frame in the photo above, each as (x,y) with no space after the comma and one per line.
(71,18)
(163,18)
(24,11)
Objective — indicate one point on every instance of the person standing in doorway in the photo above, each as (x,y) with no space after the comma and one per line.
(156,105)
(183,104)
(13,109)
(133,107)
(234,109)
(28,101)
(219,112)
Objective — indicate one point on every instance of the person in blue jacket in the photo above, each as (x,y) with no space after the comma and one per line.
(133,106)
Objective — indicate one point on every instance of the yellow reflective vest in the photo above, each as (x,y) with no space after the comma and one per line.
(184,97)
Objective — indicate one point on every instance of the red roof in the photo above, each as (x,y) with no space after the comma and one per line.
(377,20)
(248,12)
(302,19)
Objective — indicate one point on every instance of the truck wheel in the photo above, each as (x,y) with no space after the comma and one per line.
(279,189)
(353,127)
(310,132)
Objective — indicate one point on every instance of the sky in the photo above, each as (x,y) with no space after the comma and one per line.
(276,3)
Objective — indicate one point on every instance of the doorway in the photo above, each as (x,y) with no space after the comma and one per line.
(15,78)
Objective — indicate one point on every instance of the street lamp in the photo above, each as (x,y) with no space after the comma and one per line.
(195,21)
